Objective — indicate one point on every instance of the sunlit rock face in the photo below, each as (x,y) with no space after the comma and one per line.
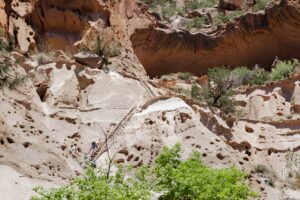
(251,39)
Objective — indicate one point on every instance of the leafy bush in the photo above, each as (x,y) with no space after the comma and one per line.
(242,75)
(221,18)
(44,57)
(8,78)
(195,91)
(262,169)
(283,69)
(95,185)
(259,76)
(168,8)
(192,179)
(194,4)
(198,22)
(105,44)
(169,11)
(223,81)
(219,91)
(7,43)
(185,75)
(172,177)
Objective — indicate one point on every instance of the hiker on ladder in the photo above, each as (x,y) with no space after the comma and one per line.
(74,151)
(93,149)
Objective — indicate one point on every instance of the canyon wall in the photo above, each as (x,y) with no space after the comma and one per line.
(249,40)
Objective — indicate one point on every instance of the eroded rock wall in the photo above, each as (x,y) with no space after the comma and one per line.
(252,39)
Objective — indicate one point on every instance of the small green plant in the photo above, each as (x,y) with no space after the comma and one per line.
(219,91)
(198,22)
(221,18)
(283,69)
(185,76)
(182,92)
(104,45)
(7,42)
(293,167)
(44,57)
(169,11)
(195,91)
(259,77)
(194,4)
(261,169)
(242,75)
(8,78)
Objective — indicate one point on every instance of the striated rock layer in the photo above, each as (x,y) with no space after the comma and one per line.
(251,39)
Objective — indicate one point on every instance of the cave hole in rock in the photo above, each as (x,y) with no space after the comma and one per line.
(26,144)
(10,141)
(2,141)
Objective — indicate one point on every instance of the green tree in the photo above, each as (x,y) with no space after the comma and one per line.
(283,69)
(191,179)
(259,76)
(195,91)
(219,91)
(95,185)
(171,176)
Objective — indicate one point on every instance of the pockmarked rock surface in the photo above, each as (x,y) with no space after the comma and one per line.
(253,38)
(67,100)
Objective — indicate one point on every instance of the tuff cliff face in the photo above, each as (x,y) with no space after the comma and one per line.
(59,24)
(251,39)
(72,99)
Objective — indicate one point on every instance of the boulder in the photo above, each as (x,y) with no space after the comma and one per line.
(295,101)
(90,59)
(236,4)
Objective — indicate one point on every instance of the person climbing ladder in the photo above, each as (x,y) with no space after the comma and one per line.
(93,149)
(74,151)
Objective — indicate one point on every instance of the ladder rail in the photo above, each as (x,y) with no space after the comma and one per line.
(148,89)
(102,148)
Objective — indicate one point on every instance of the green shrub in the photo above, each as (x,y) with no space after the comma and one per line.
(172,177)
(95,185)
(242,75)
(185,76)
(105,44)
(8,78)
(194,4)
(45,57)
(198,22)
(283,69)
(192,179)
(222,82)
(7,43)
(182,92)
(219,91)
(220,19)
(259,77)
(169,11)
(195,91)
(262,169)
